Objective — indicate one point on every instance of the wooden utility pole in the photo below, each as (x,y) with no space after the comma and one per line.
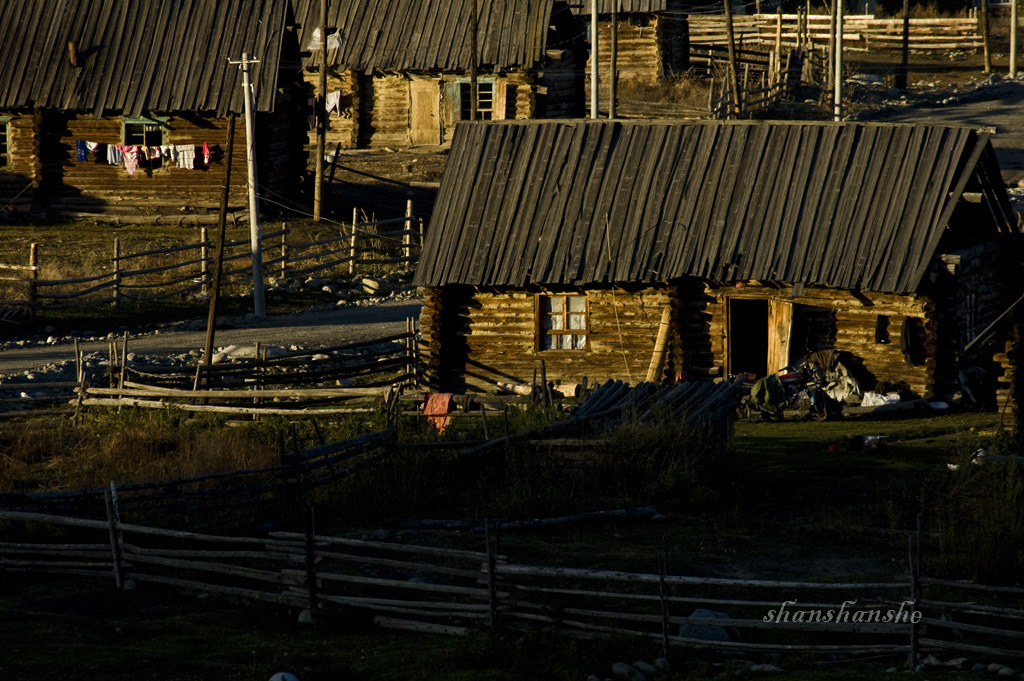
(218,266)
(321,117)
(734,79)
(593,59)
(255,238)
(901,74)
(831,44)
(1013,38)
(985,37)
(838,104)
(613,81)
(473,93)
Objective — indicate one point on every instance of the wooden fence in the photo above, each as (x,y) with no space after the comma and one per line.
(860,32)
(445,590)
(162,273)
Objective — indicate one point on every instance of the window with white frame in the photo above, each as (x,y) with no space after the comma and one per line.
(562,322)
(145,132)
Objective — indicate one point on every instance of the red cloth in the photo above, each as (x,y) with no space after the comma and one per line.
(435,406)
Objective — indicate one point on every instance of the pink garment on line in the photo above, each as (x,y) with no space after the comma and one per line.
(131,158)
(436,406)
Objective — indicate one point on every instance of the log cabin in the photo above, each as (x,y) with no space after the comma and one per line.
(82,78)
(652,45)
(741,246)
(398,71)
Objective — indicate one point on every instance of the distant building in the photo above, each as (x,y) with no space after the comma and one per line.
(119,108)
(399,70)
(765,241)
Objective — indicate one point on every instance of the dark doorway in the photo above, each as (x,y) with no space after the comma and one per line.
(748,336)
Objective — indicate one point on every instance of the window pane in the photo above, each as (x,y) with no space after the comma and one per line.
(577,304)
(556,322)
(4,133)
(547,342)
(579,342)
(564,342)
(556,303)
(577,321)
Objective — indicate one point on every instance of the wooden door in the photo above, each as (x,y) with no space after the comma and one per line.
(780,328)
(425,111)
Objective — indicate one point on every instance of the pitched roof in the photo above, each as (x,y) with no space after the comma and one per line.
(424,35)
(137,55)
(847,205)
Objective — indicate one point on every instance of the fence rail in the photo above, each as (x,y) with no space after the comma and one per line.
(156,274)
(443,590)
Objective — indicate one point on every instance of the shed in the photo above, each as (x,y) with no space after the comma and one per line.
(399,70)
(653,41)
(87,83)
(756,242)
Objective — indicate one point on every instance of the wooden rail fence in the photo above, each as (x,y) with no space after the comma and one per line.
(188,268)
(449,591)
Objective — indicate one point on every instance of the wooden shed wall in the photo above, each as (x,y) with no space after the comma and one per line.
(94,186)
(25,166)
(855,322)
(650,48)
(475,339)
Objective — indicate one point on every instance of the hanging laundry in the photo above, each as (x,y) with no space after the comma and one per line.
(144,152)
(333,102)
(154,153)
(114,154)
(131,158)
(206,154)
(92,147)
(186,156)
(81,150)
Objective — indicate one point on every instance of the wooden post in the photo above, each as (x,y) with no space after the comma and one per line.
(1013,38)
(914,560)
(663,593)
(33,278)
(218,266)
(407,236)
(124,361)
(593,59)
(778,45)
(901,73)
(831,45)
(117,272)
(734,78)
(837,113)
(352,248)
(985,36)
(310,532)
(483,418)
(492,591)
(321,117)
(474,92)
(204,259)
(115,548)
(284,250)
(660,344)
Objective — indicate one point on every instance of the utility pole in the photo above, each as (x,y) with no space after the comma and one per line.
(321,117)
(255,239)
(473,92)
(613,85)
(838,110)
(218,268)
(593,58)
(1013,38)
(984,36)
(734,79)
(901,75)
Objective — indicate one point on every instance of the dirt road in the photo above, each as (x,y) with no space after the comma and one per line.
(313,328)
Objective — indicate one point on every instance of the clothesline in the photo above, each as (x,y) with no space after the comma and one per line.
(129,155)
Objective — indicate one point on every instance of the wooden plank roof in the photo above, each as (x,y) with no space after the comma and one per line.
(428,35)
(846,205)
(138,56)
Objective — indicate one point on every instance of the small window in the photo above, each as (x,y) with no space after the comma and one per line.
(484,101)
(146,133)
(5,143)
(563,322)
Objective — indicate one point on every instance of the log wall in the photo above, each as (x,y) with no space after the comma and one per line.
(855,321)
(25,166)
(474,339)
(96,187)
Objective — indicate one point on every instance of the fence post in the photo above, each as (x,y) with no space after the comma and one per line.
(204,255)
(352,248)
(33,277)
(284,250)
(407,236)
(913,553)
(492,592)
(117,271)
(115,549)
